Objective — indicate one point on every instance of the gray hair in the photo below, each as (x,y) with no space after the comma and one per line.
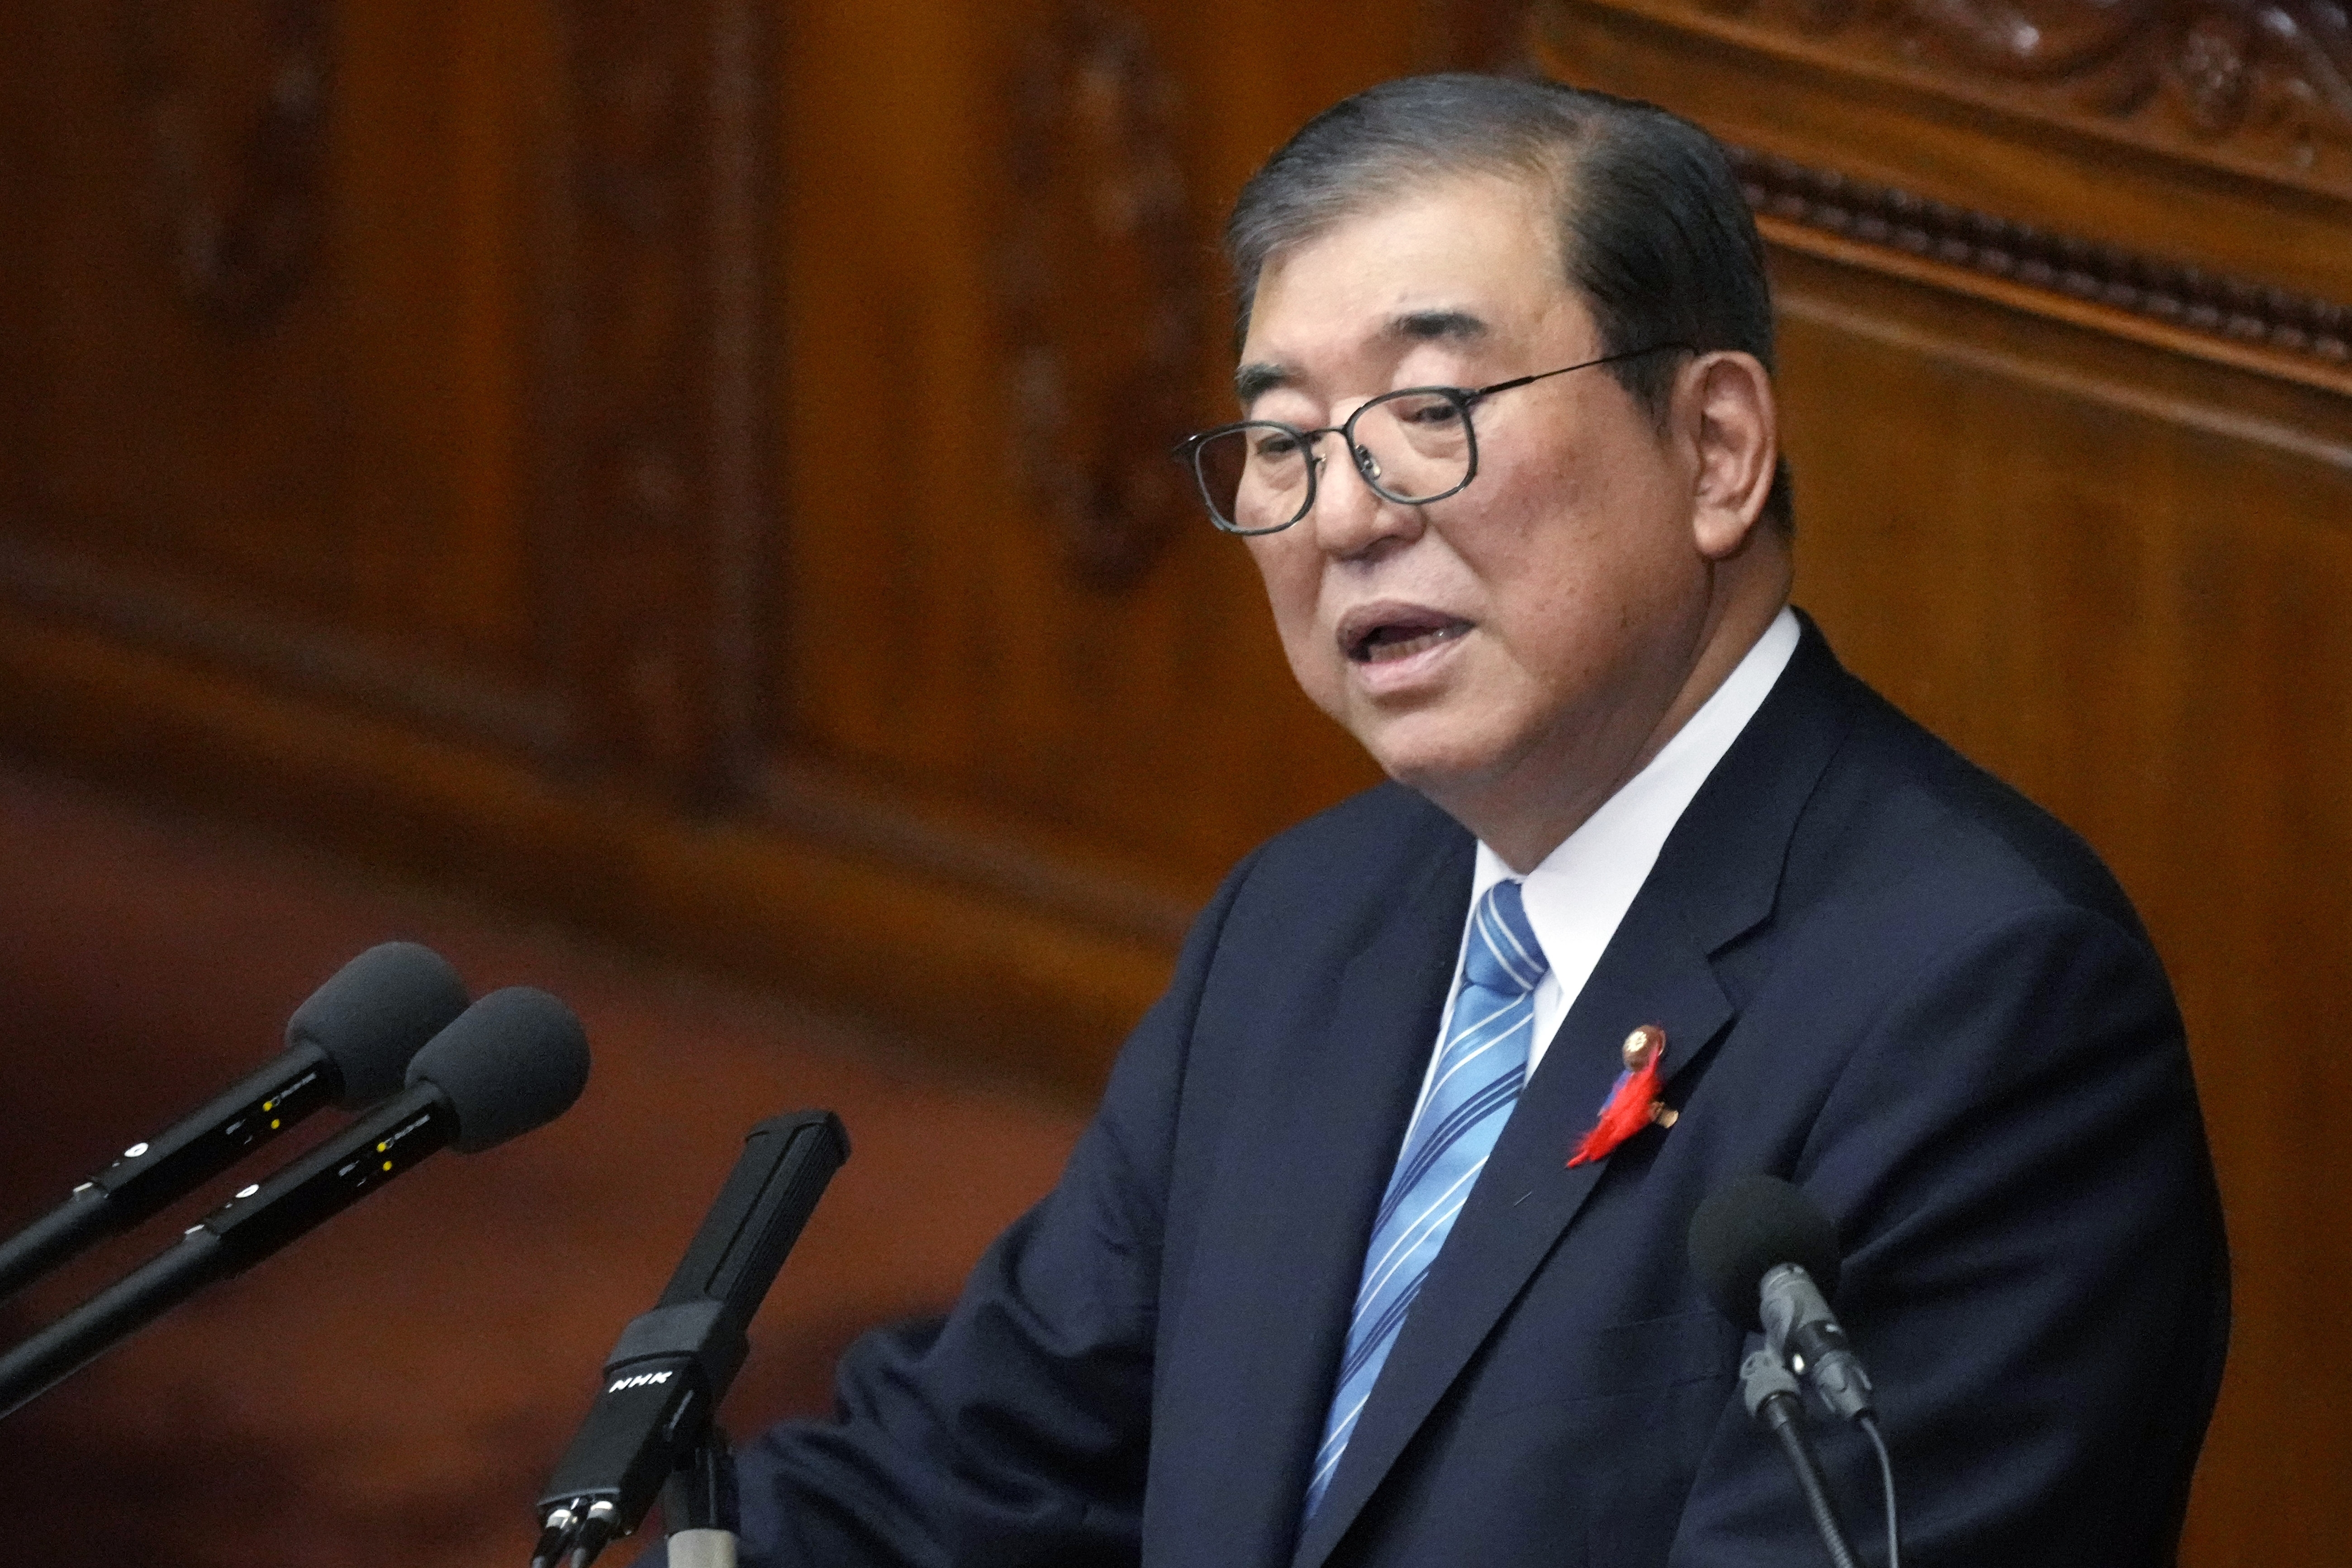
(1653,232)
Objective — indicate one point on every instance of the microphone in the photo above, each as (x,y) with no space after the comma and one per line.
(673,1365)
(513,1060)
(346,1046)
(1759,1246)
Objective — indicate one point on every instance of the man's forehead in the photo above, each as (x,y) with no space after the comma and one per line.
(1433,323)
(1460,260)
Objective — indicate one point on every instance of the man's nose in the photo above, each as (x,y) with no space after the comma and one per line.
(1349,516)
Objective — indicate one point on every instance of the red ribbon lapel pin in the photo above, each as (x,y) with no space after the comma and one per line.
(1633,1103)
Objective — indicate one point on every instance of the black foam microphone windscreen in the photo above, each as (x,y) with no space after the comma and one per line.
(1749,1226)
(348,1044)
(369,1016)
(511,1062)
(496,1089)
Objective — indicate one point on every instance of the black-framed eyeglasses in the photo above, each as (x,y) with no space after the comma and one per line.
(1413,446)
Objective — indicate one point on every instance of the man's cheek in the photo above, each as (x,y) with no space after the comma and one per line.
(1315,664)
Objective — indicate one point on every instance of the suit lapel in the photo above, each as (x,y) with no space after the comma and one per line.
(1274,1295)
(1715,880)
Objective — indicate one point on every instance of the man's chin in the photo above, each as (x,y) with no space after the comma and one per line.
(1433,760)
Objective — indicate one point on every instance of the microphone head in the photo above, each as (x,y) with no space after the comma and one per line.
(514,1061)
(1749,1226)
(372,1014)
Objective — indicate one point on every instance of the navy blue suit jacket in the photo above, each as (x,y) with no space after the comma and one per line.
(1882,974)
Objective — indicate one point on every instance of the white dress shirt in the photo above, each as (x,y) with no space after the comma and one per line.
(1578,894)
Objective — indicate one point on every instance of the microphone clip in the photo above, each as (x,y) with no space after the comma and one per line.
(1802,1331)
(656,1406)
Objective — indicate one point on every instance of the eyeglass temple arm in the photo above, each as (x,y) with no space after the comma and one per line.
(1473,394)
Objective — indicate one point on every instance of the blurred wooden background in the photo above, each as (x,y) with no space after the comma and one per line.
(394,1389)
(694,471)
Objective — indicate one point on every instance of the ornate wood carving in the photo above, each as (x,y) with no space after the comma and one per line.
(2107,275)
(1101,300)
(244,221)
(661,434)
(2258,86)
(2046,46)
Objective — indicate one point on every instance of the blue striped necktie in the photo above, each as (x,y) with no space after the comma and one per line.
(1476,1083)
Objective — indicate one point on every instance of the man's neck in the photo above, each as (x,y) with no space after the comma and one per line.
(1525,830)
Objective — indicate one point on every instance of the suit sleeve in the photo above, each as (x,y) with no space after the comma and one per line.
(1015,1430)
(2035,1269)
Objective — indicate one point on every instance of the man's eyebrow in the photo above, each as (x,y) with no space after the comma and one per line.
(1424,326)
(1255,380)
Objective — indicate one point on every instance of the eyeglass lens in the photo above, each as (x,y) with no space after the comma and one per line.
(1409,445)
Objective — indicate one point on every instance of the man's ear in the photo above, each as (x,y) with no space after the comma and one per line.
(1727,409)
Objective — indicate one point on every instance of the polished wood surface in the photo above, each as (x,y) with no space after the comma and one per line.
(693,471)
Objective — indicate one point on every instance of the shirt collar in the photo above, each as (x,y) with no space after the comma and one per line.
(1578,894)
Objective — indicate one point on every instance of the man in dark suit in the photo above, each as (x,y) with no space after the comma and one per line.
(1322,1283)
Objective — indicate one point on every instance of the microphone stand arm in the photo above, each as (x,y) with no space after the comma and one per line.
(1772,1399)
(672,1366)
(113,1315)
(700,1508)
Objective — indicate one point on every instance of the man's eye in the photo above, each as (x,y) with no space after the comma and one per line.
(1274,446)
(1434,412)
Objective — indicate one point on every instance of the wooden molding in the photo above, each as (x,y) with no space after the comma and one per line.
(1987,331)
(1826,211)
(2252,325)
(317,662)
(243,222)
(2255,86)
(851,815)
(1015,988)
(1102,299)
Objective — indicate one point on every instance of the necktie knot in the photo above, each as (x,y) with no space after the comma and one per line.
(1503,955)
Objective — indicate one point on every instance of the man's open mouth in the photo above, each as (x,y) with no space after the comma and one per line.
(1401,637)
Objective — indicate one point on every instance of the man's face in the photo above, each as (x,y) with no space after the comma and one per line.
(1521,641)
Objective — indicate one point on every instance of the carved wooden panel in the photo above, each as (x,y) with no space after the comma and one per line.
(2105,570)
(1948,123)
(457,415)
(241,205)
(658,383)
(2258,87)
(593,450)
(267,393)
(979,293)
(1098,206)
